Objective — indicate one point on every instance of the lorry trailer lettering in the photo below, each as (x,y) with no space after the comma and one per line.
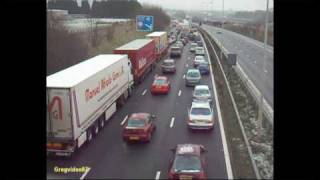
(56,114)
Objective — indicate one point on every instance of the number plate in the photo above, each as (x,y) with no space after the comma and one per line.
(185,177)
(134,138)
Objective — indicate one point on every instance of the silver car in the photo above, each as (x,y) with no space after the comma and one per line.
(168,65)
(193,77)
(199,51)
(202,93)
(200,115)
(193,47)
(197,60)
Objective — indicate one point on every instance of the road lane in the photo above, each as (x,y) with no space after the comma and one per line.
(109,157)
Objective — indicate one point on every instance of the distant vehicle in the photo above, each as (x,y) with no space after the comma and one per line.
(172,39)
(161,43)
(197,37)
(179,44)
(82,98)
(204,68)
(139,127)
(197,60)
(160,85)
(200,115)
(188,162)
(193,77)
(202,93)
(142,55)
(175,51)
(191,36)
(193,47)
(199,51)
(184,41)
(199,43)
(168,65)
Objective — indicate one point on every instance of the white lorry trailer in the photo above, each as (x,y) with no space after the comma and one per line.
(81,98)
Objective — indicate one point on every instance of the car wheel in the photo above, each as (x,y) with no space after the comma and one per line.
(101,123)
(96,129)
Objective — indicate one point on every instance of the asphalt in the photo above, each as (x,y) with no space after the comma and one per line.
(109,156)
(250,55)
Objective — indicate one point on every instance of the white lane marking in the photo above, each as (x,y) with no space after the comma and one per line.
(124,120)
(85,173)
(188,58)
(172,121)
(266,71)
(187,65)
(223,136)
(144,92)
(179,93)
(158,175)
(255,62)
(184,76)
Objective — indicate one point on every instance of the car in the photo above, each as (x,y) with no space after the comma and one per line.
(168,65)
(193,77)
(184,41)
(139,127)
(160,85)
(200,115)
(175,51)
(202,93)
(203,68)
(199,51)
(193,47)
(197,60)
(179,44)
(199,43)
(187,162)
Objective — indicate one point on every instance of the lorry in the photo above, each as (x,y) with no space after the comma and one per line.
(142,55)
(82,98)
(162,44)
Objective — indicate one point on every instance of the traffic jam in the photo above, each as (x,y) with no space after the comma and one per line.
(161,122)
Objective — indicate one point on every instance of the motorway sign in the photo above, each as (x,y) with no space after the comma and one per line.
(144,23)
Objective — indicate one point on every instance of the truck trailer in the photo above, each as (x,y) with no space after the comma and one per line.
(142,55)
(161,40)
(81,98)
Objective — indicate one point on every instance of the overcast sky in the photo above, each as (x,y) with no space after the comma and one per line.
(249,5)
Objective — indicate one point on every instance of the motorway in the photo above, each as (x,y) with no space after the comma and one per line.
(109,156)
(250,55)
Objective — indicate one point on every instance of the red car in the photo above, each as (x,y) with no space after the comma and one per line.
(160,84)
(188,162)
(139,127)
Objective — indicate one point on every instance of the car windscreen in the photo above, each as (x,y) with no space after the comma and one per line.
(193,45)
(159,81)
(200,92)
(199,58)
(135,123)
(200,111)
(193,74)
(187,163)
(168,63)
(199,49)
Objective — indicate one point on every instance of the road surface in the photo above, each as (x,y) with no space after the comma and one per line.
(250,55)
(109,156)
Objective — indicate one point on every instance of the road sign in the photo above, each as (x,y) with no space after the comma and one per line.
(144,23)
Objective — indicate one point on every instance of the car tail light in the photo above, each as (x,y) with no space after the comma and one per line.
(54,145)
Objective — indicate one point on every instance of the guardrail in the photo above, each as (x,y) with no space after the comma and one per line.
(253,90)
(237,112)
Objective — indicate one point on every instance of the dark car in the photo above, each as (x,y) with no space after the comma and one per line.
(139,127)
(188,162)
(200,44)
(204,68)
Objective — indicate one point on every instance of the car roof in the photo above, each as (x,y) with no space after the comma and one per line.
(198,47)
(190,70)
(198,56)
(192,149)
(200,104)
(139,116)
(201,87)
(168,60)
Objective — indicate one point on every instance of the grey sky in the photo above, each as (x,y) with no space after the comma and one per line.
(249,5)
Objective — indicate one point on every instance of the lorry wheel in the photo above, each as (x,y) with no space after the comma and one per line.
(129,91)
(101,123)
(96,129)
(89,135)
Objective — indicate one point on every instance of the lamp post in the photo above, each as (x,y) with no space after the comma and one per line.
(263,69)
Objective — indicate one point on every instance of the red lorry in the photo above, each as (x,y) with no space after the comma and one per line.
(142,55)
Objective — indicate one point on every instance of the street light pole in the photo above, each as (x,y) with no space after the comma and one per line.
(263,68)
(221,51)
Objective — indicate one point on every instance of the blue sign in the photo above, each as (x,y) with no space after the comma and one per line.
(144,23)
